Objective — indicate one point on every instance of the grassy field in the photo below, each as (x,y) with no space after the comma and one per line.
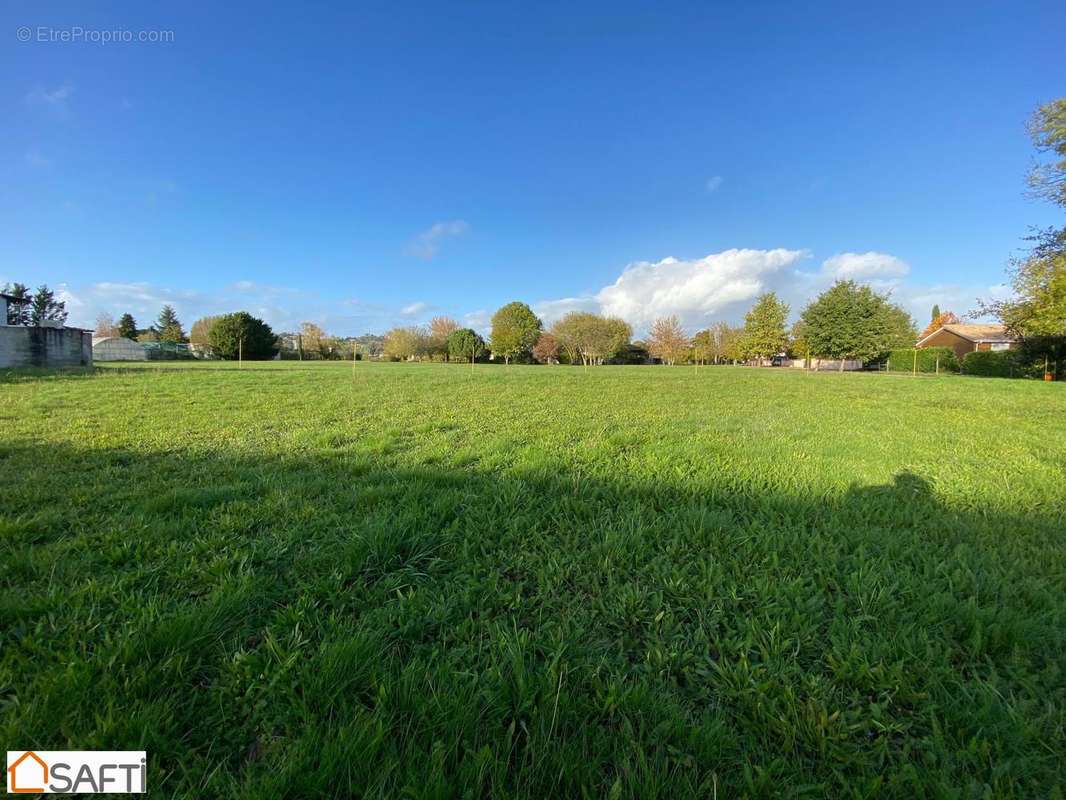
(297,580)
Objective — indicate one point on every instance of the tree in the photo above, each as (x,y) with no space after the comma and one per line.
(1047,127)
(515,329)
(127,326)
(18,306)
(440,328)
(899,331)
(724,338)
(404,344)
(200,332)
(849,321)
(465,343)
(169,327)
(105,325)
(1037,312)
(242,335)
(546,350)
(45,307)
(590,337)
(703,348)
(797,341)
(939,321)
(667,340)
(764,328)
(936,313)
(313,339)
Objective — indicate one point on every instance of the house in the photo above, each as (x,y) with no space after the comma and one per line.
(28,774)
(965,339)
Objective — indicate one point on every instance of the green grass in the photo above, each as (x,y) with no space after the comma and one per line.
(297,580)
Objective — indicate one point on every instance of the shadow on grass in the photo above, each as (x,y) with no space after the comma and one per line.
(336,626)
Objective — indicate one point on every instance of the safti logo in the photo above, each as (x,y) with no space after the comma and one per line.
(76,771)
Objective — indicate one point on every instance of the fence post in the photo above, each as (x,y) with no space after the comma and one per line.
(914,363)
(938,365)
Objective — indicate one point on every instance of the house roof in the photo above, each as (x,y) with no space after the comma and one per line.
(974,333)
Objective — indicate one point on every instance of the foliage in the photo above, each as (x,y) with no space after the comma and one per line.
(515,329)
(105,325)
(440,328)
(200,332)
(242,335)
(413,581)
(546,350)
(938,322)
(764,328)
(798,346)
(935,314)
(992,364)
(667,340)
(852,321)
(45,307)
(127,326)
(590,338)
(18,308)
(1037,312)
(405,344)
(1047,127)
(703,346)
(927,359)
(314,340)
(465,344)
(169,327)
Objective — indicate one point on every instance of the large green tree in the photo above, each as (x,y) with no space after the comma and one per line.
(591,338)
(45,307)
(852,321)
(241,334)
(765,334)
(515,329)
(168,326)
(127,326)
(465,344)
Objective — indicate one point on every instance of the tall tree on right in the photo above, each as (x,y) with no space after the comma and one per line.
(1036,314)
(936,312)
(765,334)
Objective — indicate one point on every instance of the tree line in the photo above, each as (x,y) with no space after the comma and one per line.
(848,321)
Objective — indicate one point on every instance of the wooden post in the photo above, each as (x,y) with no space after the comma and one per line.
(938,365)
(914,365)
(240,352)
(300,345)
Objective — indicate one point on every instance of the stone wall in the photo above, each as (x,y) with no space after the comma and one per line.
(22,346)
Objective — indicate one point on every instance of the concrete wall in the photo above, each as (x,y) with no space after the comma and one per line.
(22,346)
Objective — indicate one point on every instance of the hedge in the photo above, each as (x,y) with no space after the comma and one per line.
(904,360)
(992,364)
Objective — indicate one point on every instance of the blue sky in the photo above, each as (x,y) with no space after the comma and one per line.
(367,165)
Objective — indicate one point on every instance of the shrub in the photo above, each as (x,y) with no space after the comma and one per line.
(992,364)
(904,360)
(242,335)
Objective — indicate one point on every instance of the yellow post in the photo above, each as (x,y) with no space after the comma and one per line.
(914,365)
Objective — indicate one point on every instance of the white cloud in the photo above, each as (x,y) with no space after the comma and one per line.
(865,266)
(693,290)
(414,308)
(56,100)
(719,285)
(428,243)
(713,184)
